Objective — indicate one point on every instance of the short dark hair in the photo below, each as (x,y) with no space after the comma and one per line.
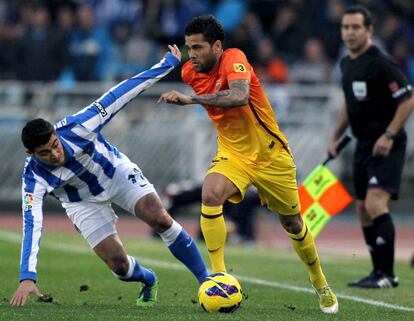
(366,14)
(36,132)
(207,25)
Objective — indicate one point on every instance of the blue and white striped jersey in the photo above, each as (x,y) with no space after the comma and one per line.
(91,160)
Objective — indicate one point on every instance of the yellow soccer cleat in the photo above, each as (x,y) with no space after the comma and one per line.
(327,300)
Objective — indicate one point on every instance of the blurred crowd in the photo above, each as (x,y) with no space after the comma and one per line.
(291,41)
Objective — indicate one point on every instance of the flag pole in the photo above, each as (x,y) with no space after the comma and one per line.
(344,141)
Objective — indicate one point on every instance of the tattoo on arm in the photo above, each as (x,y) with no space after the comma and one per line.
(236,96)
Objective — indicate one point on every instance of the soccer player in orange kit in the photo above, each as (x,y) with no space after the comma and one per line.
(251,147)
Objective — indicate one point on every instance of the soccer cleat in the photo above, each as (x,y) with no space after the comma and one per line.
(379,281)
(357,284)
(327,300)
(148,295)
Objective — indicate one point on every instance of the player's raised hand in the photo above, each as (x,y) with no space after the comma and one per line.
(175,51)
(175,97)
(25,288)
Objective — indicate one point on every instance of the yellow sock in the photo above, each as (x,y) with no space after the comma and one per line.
(214,232)
(304,246)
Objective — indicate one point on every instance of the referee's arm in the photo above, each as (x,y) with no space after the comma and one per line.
(404,110)
(384,143)
(341,125)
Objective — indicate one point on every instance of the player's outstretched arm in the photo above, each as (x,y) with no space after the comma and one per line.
(176,97)
(26,288)
(237,95)
(33,193)
(98,114)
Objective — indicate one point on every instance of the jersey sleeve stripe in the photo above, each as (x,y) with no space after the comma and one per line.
(32,225)
(27,247)
(100,113)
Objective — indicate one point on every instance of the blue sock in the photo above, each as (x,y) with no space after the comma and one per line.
(185,249)
(137,273)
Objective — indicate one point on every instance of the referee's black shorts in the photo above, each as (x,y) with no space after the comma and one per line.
(380,172)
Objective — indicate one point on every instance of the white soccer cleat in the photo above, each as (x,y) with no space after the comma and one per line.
(327,300)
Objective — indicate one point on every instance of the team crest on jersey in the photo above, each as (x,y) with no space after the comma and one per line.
(359,89)
(101,109)
(239,67)
(28,201)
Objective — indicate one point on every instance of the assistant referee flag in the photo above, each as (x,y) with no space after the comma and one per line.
(321,197)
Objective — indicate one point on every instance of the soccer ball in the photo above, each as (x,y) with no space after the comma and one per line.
(221,292)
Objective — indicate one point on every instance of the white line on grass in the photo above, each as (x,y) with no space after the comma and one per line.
(16,238)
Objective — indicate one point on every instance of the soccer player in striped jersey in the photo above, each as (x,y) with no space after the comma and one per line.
(74,163)
(251,148)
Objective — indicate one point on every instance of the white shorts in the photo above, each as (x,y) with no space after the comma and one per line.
(96,220)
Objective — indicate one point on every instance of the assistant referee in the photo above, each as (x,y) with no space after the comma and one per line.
(378,101)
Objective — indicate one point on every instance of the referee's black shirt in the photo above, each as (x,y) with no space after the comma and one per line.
(374,86)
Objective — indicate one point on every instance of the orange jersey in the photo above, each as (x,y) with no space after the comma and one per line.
(249,132)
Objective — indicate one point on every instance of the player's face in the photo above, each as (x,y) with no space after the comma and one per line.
(355,34)
(52,152)
(202,54)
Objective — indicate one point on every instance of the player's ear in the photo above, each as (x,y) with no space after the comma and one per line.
(29,152)
(217,46)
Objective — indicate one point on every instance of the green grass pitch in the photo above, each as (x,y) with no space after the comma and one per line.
(275,282)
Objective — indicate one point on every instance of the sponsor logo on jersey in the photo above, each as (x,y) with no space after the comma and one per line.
(239,67)
(101,109)
(61,123)
(359,89)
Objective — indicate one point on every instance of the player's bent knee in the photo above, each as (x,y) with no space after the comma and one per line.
(159,221)
(148,205)
(162,223)
(152,212)
(291,223)
(213,198)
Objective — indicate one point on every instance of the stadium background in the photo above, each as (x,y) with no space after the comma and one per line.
(58,56)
